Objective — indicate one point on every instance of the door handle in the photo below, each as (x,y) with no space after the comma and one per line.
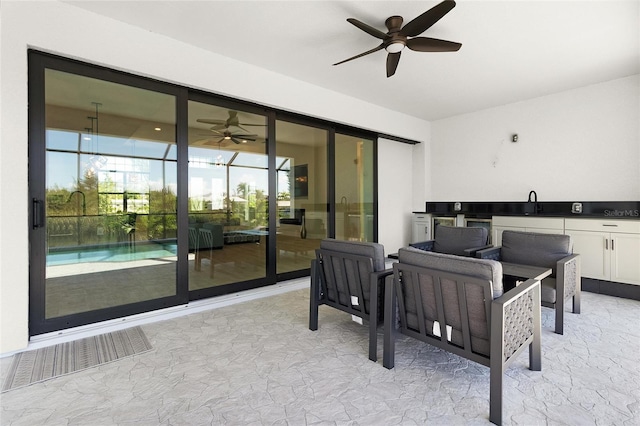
(36,210)
(606,244)
(612,244)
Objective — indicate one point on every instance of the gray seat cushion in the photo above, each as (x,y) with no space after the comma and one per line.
(481,268)
(360,248)
(529,248)
(455,239)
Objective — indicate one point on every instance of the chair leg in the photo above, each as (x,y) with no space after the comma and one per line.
(576,303)
(535,352)
(313,297)
(495,392)
(559,307)
(390,307)
(373,320)
(198,260)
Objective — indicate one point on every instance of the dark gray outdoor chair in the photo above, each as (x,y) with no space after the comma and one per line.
(548,250)
(458,240)
(349,276)
(457,304)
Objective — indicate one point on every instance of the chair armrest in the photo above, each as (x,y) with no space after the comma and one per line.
(516,314)
(381,275)
(424,245)
(492,253)
(568,275)
(471,252)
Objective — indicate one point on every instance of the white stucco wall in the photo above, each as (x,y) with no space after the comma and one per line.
(72,32)
(395,192)
(578,145)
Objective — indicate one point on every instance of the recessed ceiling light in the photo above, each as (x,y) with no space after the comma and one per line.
(157,129)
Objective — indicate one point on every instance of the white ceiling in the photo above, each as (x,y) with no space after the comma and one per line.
(511,50)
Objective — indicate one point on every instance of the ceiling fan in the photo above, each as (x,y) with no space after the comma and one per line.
(398,36)
(232,121)
(227,135)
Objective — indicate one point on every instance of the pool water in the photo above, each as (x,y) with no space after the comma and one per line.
(112,254)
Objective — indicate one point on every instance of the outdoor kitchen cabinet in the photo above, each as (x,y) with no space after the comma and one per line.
(609,249)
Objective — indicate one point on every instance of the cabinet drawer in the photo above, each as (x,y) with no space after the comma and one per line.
(603,225)
(530,222)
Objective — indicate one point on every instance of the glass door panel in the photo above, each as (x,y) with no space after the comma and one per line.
(110,195)
(228,196)
(301,167)
(354,188)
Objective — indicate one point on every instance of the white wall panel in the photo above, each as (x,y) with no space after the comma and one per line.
(581,145)
(395,194)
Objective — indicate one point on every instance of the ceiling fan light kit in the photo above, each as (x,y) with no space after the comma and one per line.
(221,129)
(398,37)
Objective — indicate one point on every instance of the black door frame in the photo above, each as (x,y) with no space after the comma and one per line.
(38,323)
(38,62)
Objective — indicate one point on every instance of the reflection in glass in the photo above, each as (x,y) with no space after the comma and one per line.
(301,167)
(228,196)
(110,194)
(354,188)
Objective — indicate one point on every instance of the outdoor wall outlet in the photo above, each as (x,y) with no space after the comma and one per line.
(576,208)
(457,207)
(100,230)
(357,319)
(354,300)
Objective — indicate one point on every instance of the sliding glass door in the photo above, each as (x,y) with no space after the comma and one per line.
(228,196)
(105,221)
(301,168)
(145,195)
(354,188)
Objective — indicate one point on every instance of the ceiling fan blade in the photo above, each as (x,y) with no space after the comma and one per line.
(375,49)
(212,121)
(392,63)
(368,29)
(427,19)
(249,124)
(426,44)
(237,125)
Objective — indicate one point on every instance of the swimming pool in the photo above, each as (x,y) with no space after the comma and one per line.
(122,253)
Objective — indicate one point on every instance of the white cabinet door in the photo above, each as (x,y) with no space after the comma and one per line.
(625,261)
(594,250)
(609,249)
(420,231)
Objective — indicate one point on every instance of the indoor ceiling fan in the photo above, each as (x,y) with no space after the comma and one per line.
(232,121)
(398,36)
(227,135)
